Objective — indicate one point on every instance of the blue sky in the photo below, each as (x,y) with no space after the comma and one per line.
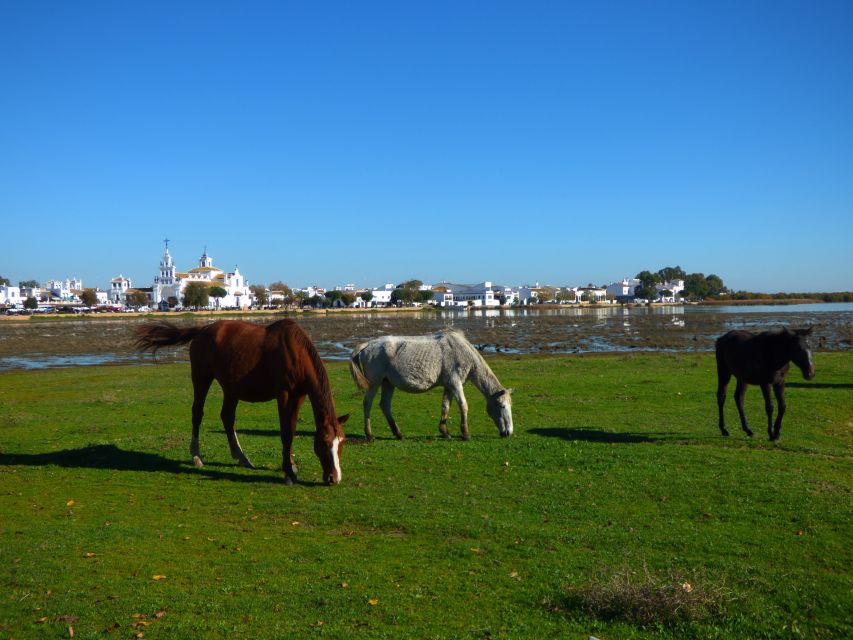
(333,142)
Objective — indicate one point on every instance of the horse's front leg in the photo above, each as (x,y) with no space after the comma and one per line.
(722,385)
(459,395)
(768,408)
(367,405)
(200,389)
(740,392)
(385,404)
(445,409)
(229,415)
(288,414)
(779,390)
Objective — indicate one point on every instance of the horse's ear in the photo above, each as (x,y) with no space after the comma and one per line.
(342,419)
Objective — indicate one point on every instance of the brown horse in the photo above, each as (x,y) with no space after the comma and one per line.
(257,363)
(761,359)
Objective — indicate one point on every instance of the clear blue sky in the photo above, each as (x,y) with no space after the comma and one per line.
(333,142)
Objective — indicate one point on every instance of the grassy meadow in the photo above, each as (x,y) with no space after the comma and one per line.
(616,510)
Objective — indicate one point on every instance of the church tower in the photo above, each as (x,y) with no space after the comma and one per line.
(205,261)
(167,268)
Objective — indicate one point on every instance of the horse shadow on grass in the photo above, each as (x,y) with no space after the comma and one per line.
(111,457)
(608,437)
(819,385)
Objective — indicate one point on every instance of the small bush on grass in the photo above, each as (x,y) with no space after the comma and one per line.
(644,599)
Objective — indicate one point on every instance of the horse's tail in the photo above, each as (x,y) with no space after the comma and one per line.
(162,333)
(355,368)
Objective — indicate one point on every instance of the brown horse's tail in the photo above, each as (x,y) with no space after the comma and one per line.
(355,368)
(161,333)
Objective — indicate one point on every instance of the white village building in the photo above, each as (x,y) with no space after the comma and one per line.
(171,283)
(67,290)
(483,294)
(11,295)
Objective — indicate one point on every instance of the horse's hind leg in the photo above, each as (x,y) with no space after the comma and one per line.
(459,394)
(229,415)
(445,409)
(385,404)
(367,405)
(201,385)
(740,392)
(779,390)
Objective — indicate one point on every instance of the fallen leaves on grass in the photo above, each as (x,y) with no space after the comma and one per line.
(158,577)
(373,602)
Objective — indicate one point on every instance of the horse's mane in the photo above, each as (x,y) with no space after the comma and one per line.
(302,339)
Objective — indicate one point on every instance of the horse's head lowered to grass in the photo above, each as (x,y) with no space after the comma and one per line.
(499,408)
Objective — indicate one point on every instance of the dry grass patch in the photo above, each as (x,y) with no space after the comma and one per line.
(646,599)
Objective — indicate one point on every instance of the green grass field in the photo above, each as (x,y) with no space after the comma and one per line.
(616,489)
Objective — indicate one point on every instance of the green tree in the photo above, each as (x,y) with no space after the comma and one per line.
(217,293)
(425,296)
(260,292)
(367,296)
(403,296)
(284,293)
(299,298)
(5,282)
(668,274)
(566,295)
(196,295)
(138,299)
(89,298)
(348,298)
(714,285)
(172,302)
(31,303)
(28,284)
(646,289)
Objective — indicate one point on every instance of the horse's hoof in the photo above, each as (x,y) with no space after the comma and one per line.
(750,433)
(724,433)
(290,480)
(398,435)
(446,436)
(245,462)
(197,462)
(466,436)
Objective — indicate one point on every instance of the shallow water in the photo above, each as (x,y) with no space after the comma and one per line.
(42,344)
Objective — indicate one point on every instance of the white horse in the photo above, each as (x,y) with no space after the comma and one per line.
(419,363)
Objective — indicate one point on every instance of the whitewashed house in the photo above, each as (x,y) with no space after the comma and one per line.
(10,295)
(623,290)
(119,288)
(67,290)
(483,294)
(674,287)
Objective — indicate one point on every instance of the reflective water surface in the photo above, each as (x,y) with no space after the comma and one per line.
(39,344)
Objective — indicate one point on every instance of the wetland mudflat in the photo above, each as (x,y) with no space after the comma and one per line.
(40,344)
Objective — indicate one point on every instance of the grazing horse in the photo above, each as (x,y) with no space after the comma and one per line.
(257,363)
(419,363)
(761,359)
